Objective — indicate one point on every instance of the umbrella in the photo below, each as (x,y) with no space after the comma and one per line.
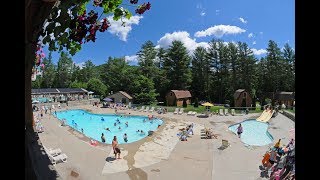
(207,104)
(108,99)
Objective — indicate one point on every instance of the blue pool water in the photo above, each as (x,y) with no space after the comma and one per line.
(255,133)
(93,125)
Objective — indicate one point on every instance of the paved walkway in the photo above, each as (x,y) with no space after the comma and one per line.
(162,156)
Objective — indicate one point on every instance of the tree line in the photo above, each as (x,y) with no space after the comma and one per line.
(211,74)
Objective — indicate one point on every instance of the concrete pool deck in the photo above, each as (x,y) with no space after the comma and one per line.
(162,156)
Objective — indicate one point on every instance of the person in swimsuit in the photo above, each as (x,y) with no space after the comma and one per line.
(102,138)
(115,147)
(125,137)
(239,130)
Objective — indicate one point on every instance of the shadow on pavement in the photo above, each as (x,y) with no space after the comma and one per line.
(108,159)
(37,162)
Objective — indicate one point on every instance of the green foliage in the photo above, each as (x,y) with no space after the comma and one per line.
(143,90)
(214,75)
(37,83)
(147,60)
(59,22)
(64,71)
(267,101)
(117,74)
(97,87)
(76,84)
(177,66)
(196,103)
(200,71)
(48,72)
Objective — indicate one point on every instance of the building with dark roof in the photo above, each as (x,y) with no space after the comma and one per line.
(121,97)
(242,98)
(59,94)
(286,98)
(176,97)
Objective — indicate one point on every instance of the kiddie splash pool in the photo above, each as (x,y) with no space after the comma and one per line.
(255,133)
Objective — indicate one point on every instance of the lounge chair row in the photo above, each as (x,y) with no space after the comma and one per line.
(146,109)
(191,113)
(56,155)
(225,112)
(177,111)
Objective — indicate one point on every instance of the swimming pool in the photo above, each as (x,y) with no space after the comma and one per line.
(95,124)
(255,133)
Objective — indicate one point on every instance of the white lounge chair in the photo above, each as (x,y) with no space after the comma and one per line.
(189,113)
(147,109)
(233,112)
(221,112)
(194,113)
(58,158)
(152,109)
(226,112)
(176,111)
(142,108)
(53,152)
(181,111)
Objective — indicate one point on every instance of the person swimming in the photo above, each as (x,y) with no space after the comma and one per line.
(102,119)
(108,129)
(125,137)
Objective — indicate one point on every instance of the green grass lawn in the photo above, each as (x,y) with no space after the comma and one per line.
(199,109)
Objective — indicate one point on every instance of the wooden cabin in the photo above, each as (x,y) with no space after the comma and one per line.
(286,98)
(121,97)
(242,98)
(176,97)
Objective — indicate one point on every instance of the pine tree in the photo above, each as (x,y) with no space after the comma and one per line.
(147,60)
(177,64)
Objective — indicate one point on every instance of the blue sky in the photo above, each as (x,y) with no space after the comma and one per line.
(195,23)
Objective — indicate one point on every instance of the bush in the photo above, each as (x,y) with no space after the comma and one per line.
(268,101)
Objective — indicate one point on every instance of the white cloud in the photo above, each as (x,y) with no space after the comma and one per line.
(219,31)
(133,58)
(250,35)
(182,36)
(80,65)
(202,14)
(258,52)
(254,42)
(243,20)
(123,31)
